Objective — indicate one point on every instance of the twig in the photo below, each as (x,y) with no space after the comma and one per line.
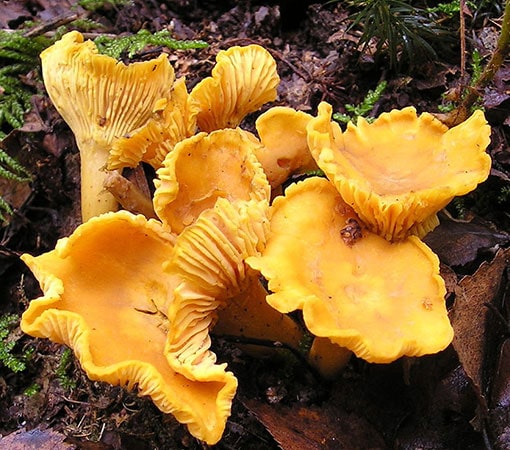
(129,195)
(52,24)
(462,112)
(462,37)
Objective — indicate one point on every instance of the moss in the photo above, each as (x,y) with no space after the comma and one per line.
(8,339)
(19,55)
(62,372)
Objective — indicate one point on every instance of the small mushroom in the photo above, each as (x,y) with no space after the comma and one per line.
(173,120)
(107,296)
(209,256)
(203,168)
(400,170)
(243,79)
(101,100)
(381,300)
(282,131)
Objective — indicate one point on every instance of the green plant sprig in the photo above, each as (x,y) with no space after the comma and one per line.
(364,108)
(12,170)
(403,32)
(64,364)
(19,55)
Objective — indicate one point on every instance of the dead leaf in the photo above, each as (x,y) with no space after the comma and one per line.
(35,439)
(12,12)
(501,387)
(459,243)
(300,427)
(474,323)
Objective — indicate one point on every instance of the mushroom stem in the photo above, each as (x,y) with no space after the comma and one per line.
(95,199)
(328,358)
(248,315)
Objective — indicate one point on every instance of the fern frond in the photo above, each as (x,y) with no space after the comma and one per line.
(15,55)
(132,44)
(12,169)
(93,5)
(5,209)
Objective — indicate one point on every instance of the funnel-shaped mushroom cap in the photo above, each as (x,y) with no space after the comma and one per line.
(203,168)
(243,79)
(100,99)
(173,120)
(282,132)
(398,171)
(379,299)
(106,295)
(209,255)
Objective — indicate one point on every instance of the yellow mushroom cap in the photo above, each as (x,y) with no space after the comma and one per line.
(106,295)
(398,171)
(243,79)
(173,120)
(209,256)
(99,97)
(282,131)
(203,168)
(381,300)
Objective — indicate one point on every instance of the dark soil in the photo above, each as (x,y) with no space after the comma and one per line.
(458,399)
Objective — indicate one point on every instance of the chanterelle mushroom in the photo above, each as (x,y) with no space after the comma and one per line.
(173,120)
(381,300)
(282,132)
(101,99)
(106,296)
(400,170)
(203,168)
(243,79)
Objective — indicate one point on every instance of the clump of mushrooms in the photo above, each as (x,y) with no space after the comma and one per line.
(135,298)
(166,301)
(122,115)
(356,267)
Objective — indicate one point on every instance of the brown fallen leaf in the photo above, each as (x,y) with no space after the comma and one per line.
(500,392)
(12,13)
(476,326)
(299,427)
(459,244)
(35,439)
